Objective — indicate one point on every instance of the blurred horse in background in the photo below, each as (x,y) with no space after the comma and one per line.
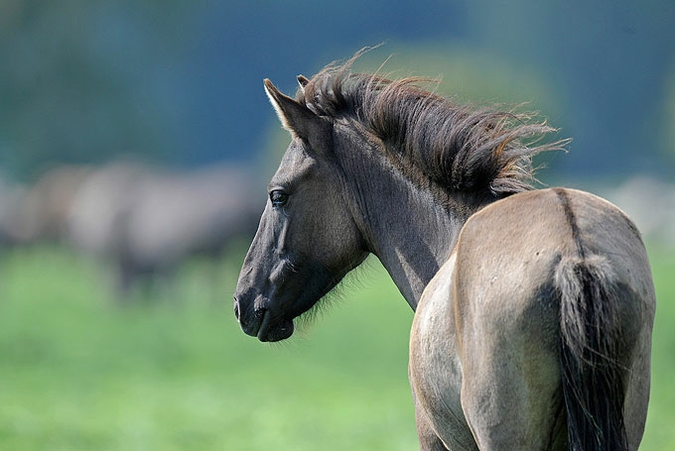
(142,221)
(147,223)
(533,308)
(41,212)
(11,196)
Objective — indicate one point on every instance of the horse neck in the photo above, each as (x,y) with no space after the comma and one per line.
(408,228)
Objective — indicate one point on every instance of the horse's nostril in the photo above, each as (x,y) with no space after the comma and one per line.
(236,309)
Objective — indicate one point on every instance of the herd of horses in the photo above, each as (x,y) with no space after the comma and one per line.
(143,222)
(533,308)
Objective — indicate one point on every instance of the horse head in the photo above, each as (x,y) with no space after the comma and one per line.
(307,239)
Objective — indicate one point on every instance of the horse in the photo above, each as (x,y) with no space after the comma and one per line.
(11,197)
(533,308)
(176,216)
(147,222)
(42,210)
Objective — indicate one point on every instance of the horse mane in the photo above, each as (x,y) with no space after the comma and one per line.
(460,147)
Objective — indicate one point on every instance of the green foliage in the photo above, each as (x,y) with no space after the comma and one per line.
(81,81)
(466,74)
(178,82)
(668,123)
(79,371)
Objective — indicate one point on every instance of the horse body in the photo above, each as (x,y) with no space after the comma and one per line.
(533,309)
(485,347)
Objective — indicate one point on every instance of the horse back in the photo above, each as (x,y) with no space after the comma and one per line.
(513,248)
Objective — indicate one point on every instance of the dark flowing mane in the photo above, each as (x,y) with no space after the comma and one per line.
(460,147)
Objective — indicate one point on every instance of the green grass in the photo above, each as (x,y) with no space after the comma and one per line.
(660,433)
(80,372)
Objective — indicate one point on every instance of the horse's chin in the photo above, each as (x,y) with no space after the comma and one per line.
(276,332)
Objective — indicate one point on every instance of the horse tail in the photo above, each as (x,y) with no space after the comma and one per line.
(593,378)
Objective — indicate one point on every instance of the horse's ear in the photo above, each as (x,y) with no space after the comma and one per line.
(302,81)
(295,117)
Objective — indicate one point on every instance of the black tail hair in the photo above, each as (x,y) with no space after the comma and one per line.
(593,380)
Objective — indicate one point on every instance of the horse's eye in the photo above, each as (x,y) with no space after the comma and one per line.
(278,198)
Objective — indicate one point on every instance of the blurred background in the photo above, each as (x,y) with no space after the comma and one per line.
(135,145)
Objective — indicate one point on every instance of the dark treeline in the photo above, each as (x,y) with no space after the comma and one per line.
(179,82)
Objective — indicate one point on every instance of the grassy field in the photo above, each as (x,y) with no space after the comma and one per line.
(80,372)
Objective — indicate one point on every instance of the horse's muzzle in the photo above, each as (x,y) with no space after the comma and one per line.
(260,323)
(250,321)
